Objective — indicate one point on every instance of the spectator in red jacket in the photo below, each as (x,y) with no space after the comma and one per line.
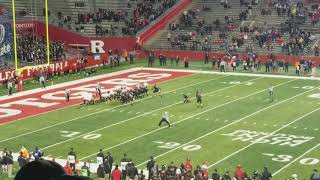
(67,169)
(116,174)
(239,173)
(188,164)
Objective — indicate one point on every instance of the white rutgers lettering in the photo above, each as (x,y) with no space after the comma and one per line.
(87,88)
(149,76)
(53,96)
(53,99)
(124,81)
(9,112)
(30,102)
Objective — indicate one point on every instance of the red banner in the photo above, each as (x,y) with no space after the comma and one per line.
(55,67)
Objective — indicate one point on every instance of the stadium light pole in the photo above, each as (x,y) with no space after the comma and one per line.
(14,35)
(47,32)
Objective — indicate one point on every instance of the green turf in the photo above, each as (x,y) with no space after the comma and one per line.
(228,107)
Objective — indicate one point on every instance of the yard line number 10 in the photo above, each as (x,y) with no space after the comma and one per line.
(289,158)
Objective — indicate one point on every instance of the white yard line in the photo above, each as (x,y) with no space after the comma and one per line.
(301,156)
(97,112)
(264,137)
(237,74)
(156,130)
(150,112)
(234,122)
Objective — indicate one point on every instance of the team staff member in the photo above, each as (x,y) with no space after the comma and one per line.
(156,89)
(185,98)
(165,119)
(124,161)
(199,99)
(72,159)
(10,87)
(67,95)
(270,90)
(98,89)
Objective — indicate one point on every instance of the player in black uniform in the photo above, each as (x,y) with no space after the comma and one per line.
(185,98)
(156,89)
(165,119)
(199,99)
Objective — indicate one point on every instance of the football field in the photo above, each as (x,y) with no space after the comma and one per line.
(238,124)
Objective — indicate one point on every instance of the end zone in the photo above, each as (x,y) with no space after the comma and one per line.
(35,102)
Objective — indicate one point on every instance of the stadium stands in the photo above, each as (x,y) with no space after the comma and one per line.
(98,18)
(239,30)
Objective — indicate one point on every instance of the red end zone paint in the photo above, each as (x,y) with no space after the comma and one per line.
(25,106)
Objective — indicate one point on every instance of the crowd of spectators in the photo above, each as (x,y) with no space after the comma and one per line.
(182,35)
(32,50)
(134,18)
(108,168)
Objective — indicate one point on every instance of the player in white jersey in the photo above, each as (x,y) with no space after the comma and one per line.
(270,90)
(165,119)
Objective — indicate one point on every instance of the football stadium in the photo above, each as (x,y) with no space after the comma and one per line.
(160,89)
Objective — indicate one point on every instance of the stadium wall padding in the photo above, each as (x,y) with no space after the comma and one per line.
(199,55)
